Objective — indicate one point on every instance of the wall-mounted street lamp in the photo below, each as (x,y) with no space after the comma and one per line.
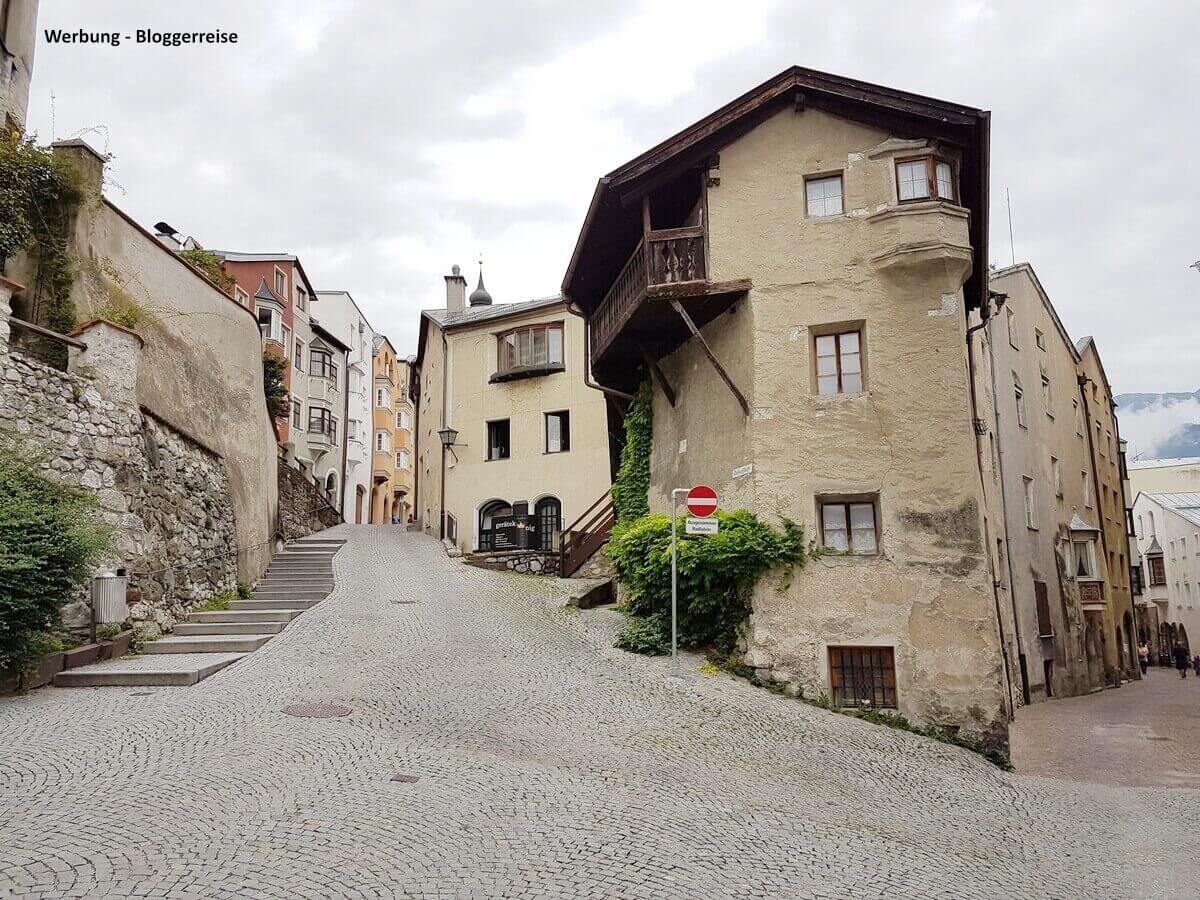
(449,438)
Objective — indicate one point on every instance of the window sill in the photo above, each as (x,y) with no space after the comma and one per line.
(498,459)
(525,372)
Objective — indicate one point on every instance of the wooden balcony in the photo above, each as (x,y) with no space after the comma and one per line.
(636,313)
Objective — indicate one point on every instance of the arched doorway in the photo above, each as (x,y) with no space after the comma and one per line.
(1182,635)
(488,514)
(331,486)
(548,518)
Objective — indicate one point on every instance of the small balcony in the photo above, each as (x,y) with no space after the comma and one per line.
(636,313)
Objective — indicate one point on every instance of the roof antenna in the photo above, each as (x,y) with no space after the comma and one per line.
(1011,248)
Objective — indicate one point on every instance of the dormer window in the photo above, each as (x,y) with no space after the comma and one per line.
(925,178)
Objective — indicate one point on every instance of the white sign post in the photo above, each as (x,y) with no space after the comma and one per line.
(702,504)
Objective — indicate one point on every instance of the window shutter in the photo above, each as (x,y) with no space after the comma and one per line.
(1045,626)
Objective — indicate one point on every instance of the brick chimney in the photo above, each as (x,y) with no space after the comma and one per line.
(456,290)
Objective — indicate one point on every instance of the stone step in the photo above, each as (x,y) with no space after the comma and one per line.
(232,615)
(213,643)
(316,555)
(290,594)
(240,605)
(229,627)
(299,569)
(315,539)
(148,670)
(287,582)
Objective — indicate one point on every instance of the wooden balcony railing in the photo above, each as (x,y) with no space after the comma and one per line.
(586,535)
(666,257)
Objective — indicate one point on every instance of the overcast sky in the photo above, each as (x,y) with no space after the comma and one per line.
(384,141)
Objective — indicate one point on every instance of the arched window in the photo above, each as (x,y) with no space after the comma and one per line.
(549,520)
(488,514)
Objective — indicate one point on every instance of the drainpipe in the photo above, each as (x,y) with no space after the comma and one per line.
(977,427)
(587,355)
(1012,594)
(416,432)
(445,385)
(345,437)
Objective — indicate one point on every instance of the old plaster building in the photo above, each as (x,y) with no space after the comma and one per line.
(793,273)
(1168,533)
(392,442)
(1057,460)
(18,37)
(526,444)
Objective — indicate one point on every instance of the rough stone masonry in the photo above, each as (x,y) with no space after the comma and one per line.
(165,496)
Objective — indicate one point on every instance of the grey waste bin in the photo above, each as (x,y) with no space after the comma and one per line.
(108,596)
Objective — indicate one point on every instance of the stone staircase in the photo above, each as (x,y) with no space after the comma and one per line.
(298,579)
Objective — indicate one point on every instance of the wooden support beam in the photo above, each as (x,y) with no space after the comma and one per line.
(652,365)
(687,320)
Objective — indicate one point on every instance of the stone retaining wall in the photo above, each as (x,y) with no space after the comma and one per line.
(303,509)
(526,562)
(166,496)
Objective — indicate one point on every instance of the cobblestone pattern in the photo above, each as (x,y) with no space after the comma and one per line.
(546,764)
(303,509)
(523,562)
(166,497)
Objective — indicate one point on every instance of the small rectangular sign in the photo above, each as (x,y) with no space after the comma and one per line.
(701,526)
(742,471)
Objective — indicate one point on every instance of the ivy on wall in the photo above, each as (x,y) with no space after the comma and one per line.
(631,489)
(39,194)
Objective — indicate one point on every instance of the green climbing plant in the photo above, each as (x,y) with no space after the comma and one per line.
(39,194)
(632,486)
(209,265)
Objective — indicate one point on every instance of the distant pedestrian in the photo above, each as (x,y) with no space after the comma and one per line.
(1196,664)
(1143,656)
(1181,659)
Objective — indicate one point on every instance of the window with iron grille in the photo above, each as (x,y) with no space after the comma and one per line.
(863,676)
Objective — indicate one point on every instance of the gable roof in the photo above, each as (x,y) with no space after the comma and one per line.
(236,256)
(328,337)
(1024,268)
(1185,505)
(449,320)
(901,113)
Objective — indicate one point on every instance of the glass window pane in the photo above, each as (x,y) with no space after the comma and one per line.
(524,348)
(862,515)
(826,365)
(827,384)
(833,515)
(825,196)
(912,180)
(852,384)
(553,434)
(850,362)
(836,539)
(556,348)
(864,541)
(849,342)
(539,347)
(945,181)
(826,345)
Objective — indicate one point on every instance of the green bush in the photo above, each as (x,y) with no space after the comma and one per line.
(210,264)
(629,492)
(716,575)
(647,635)
(50,535)
(219,602)
(279,401)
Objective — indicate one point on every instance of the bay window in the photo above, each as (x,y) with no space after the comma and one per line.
(531,347)
(925,178)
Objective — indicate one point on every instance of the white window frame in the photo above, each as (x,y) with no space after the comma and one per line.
(279,273)
(1019,396)
(383,398)
(1011,319)
(402,459)
(383,441)
(822,206)
(275,330)
(241,295)
(1030,497)
(1089,559)
(298,362)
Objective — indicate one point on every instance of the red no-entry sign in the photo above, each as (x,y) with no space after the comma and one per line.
(702,501)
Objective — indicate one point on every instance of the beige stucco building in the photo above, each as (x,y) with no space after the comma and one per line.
(532,439)
(1070,619)
(799,266)
(1165,476)
(391,448)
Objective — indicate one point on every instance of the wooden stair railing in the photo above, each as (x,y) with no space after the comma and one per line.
(586,535)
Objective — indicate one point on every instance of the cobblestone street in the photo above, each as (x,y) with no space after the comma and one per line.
(541,763)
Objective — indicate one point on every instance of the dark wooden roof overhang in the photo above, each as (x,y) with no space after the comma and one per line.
(612,226)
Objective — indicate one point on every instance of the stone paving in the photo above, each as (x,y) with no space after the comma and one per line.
(533,761)
(1145,734)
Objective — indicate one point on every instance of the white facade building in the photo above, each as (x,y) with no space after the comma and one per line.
(340,315)
(1168,535)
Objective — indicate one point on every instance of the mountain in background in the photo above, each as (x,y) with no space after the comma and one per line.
(1160,426)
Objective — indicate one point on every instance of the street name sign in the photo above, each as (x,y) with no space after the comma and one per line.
(701,526)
